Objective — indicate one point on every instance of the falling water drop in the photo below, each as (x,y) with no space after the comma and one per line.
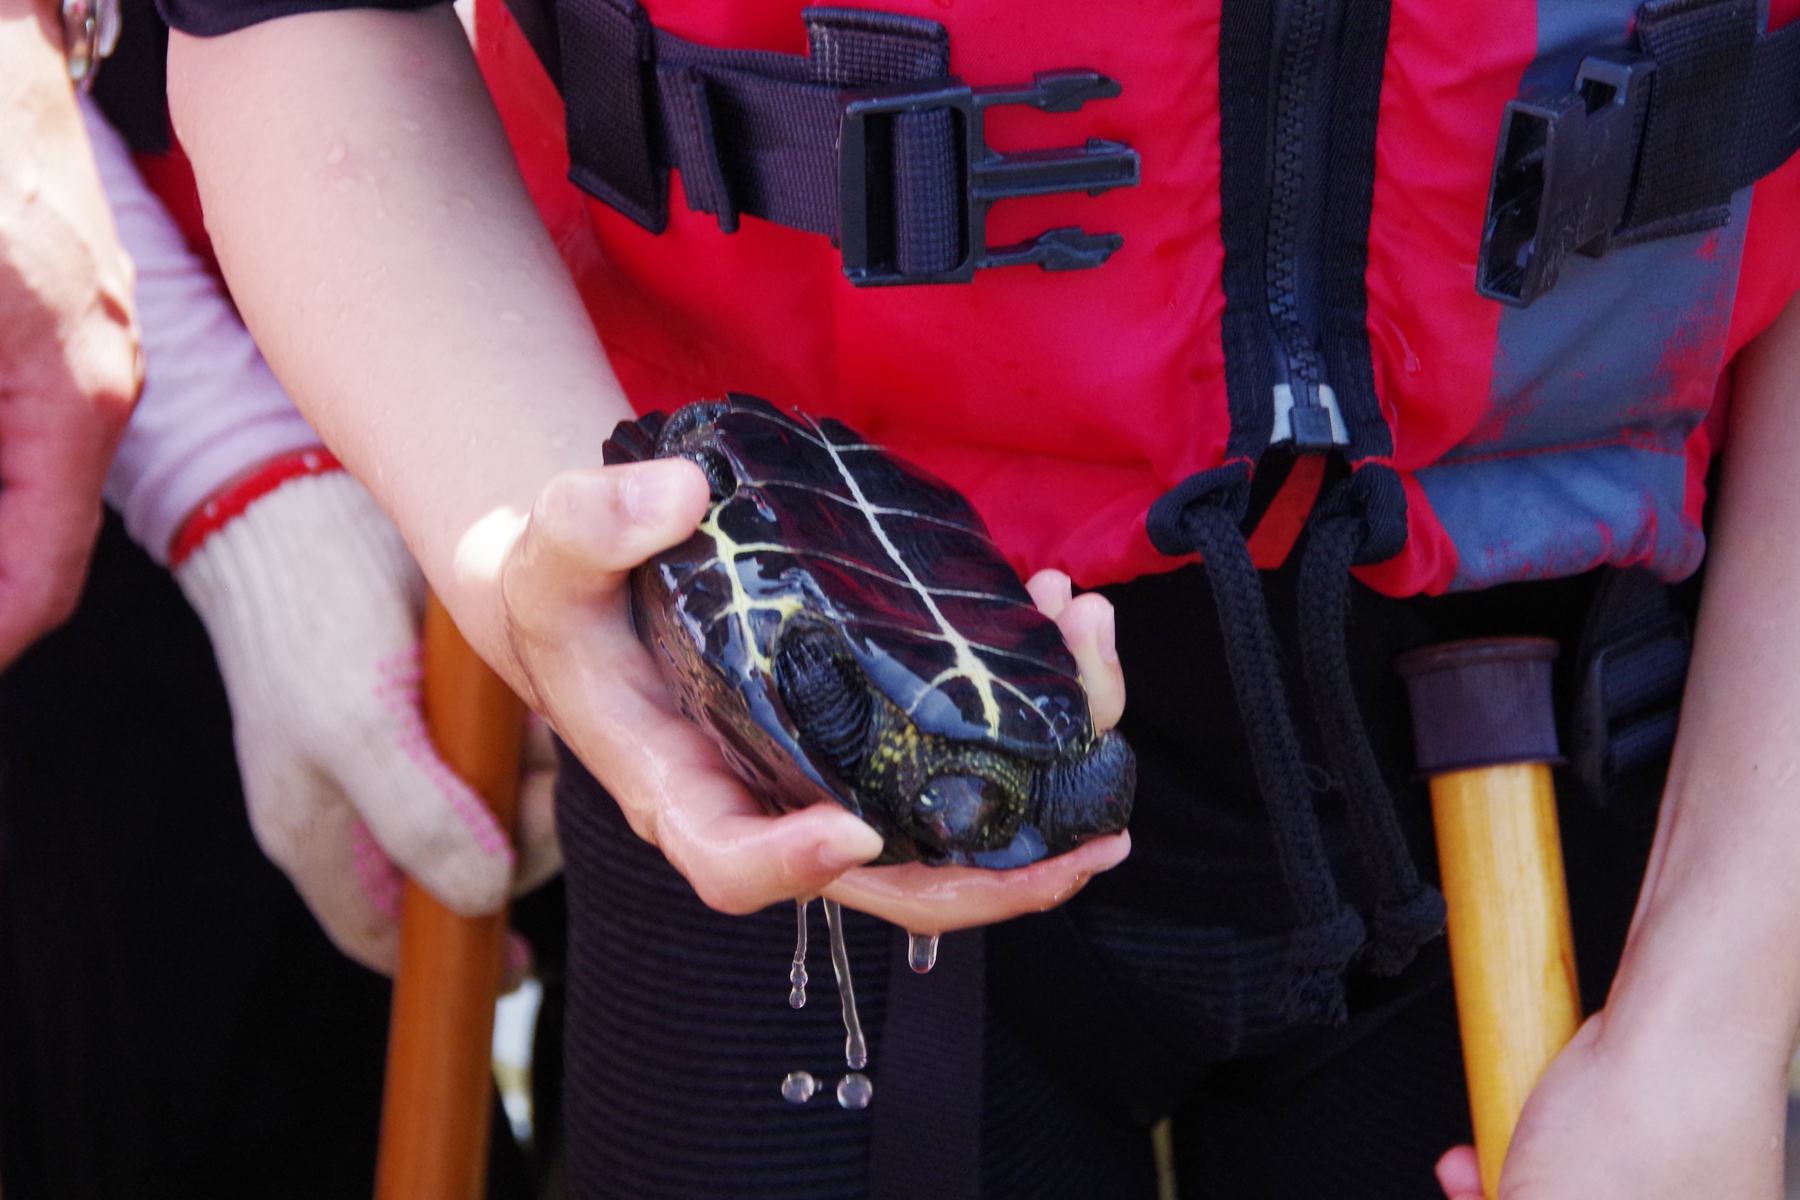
(799,1087)
(856,1051)
(921,951)
(855,1091)
(797,972)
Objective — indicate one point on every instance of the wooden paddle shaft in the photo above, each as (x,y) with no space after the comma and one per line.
(1511,949)
(436,1110)
(1485,731)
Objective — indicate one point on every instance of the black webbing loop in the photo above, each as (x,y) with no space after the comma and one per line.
(1407,913)
(607,53)
(1688,159)
(751,131)
(1631,666)
(1647,143)
(1202,515)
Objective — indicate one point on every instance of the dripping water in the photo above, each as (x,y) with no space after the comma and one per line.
(797,972)
(921,951)
(855,1091)
(856,1051)
(799,1087)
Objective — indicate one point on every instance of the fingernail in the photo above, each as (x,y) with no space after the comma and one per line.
(1109,642)
(1117,848)
(841,854)
(651,490)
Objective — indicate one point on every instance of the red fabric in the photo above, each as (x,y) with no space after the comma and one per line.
(1275,534)
(171,177)
(1040,413)
(230,501)
(1065,404)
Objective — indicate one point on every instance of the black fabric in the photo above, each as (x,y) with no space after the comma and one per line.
(210,18)
(172,1021)
(1349,196)
(1122,1006)
(1245,34)
(132,82)
(934,1032)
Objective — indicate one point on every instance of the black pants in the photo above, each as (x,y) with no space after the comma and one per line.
(172,1021)
(1152,994)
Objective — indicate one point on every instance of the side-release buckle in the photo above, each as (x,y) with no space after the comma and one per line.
(1562,176)
(867,229)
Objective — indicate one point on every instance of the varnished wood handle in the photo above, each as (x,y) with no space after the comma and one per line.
(1511,948)
(435,1112)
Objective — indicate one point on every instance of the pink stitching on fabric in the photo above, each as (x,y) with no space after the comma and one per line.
(382,882)
(400,675)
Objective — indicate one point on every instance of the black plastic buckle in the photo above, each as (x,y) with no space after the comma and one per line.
(866,232)
(1562,176)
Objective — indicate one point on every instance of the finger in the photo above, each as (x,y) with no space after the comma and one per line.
(926,899)
(348,883)
(738,858)
(1087,626)
(428,821)
(1050,591)
(1459,1173)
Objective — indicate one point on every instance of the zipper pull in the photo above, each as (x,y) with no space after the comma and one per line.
(1310,420)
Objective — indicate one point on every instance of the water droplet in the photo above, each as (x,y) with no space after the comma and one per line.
(921,951)
(856,1051)
(799,1087)
(797,972)
(855,1091)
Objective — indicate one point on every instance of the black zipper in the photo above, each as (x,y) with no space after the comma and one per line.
(1304,70)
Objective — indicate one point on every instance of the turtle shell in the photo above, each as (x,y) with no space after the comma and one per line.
(812,523)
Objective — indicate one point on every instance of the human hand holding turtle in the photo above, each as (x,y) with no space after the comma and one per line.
(565,587)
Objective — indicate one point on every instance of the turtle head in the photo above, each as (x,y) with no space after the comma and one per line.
(939,798)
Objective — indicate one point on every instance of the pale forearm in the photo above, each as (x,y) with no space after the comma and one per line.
(381,247)
(1715,949)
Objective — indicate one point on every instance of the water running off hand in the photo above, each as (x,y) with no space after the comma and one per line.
(797,972)
(856,1051)
(921,951)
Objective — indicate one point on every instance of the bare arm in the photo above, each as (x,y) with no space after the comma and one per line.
(1677,1088)
(69,369)
(387,257)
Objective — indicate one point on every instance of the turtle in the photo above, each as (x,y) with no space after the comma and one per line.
(844,627)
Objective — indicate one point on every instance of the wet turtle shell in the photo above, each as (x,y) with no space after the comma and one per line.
(843,625)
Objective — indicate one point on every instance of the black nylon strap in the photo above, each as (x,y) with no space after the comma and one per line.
(607,62)
(926,1139)
(752,131)
(1647,143)
(1688,164)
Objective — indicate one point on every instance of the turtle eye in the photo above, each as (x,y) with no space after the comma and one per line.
(958,808)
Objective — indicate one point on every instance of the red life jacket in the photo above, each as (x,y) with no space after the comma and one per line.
(1531,442)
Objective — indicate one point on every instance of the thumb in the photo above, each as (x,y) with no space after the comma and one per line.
(600,521)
